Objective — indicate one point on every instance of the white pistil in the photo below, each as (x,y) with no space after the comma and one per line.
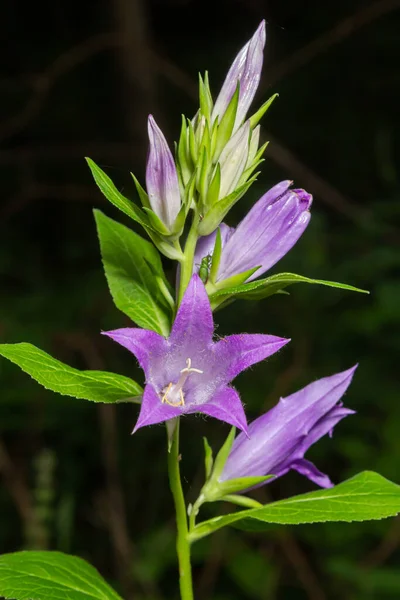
(175,389)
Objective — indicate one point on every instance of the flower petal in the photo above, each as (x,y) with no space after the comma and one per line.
(153,411)
(143,343)
(279,439)
(241,351)
(267,233)
(193,326)
(245,70)
(309,470)
(233,160)
(225,406)
(161,177)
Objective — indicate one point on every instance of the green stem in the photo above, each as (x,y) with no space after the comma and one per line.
(182,540)
(187,262)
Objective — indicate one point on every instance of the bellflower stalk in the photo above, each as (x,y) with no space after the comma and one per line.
(161,177)
(278,440)
(245,71)
(263,237)
(189,372)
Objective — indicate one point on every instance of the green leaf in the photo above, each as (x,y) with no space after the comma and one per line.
(109,190)
(97,386)
(262,288)
(367,496)
(135,291)
(51,576)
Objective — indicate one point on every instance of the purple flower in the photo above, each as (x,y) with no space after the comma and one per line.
(245,70)
(188,372)
(278,440)
(266,234)
(161,177)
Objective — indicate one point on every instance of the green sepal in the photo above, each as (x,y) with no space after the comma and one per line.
(226,124)
(208,458)
(213,137)
(231,486)
(179,222)
(143,195)
(216,257)
(236,280)
(202,183)
(241,501)
(262,288)
(192,142)
(168,249)
(214,187)
(184,159)
(206,102)
(260,152)
(249,171)
(223,454)
(218,211)
(109,190)
(156,223)
(256,118)
(189,193)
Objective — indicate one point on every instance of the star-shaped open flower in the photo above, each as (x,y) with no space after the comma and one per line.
(189,372)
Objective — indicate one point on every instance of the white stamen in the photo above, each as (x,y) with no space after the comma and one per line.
(175,389)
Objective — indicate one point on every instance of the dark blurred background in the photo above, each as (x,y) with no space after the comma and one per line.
(78,79)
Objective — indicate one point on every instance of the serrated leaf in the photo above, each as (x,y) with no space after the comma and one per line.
(262,288)
(109,190)
(51,576)
(126,259)
(97,386)
(367,496)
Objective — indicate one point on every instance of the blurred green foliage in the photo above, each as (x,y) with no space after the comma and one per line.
(71,477)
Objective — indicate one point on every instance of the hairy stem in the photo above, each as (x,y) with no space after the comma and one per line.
(182,541)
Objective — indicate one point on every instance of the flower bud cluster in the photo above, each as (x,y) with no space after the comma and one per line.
(216,156)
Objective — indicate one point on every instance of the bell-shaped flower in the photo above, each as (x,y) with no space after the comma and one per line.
(245,71)
(189,372)
(161,177)
(277,441)
(264,236)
